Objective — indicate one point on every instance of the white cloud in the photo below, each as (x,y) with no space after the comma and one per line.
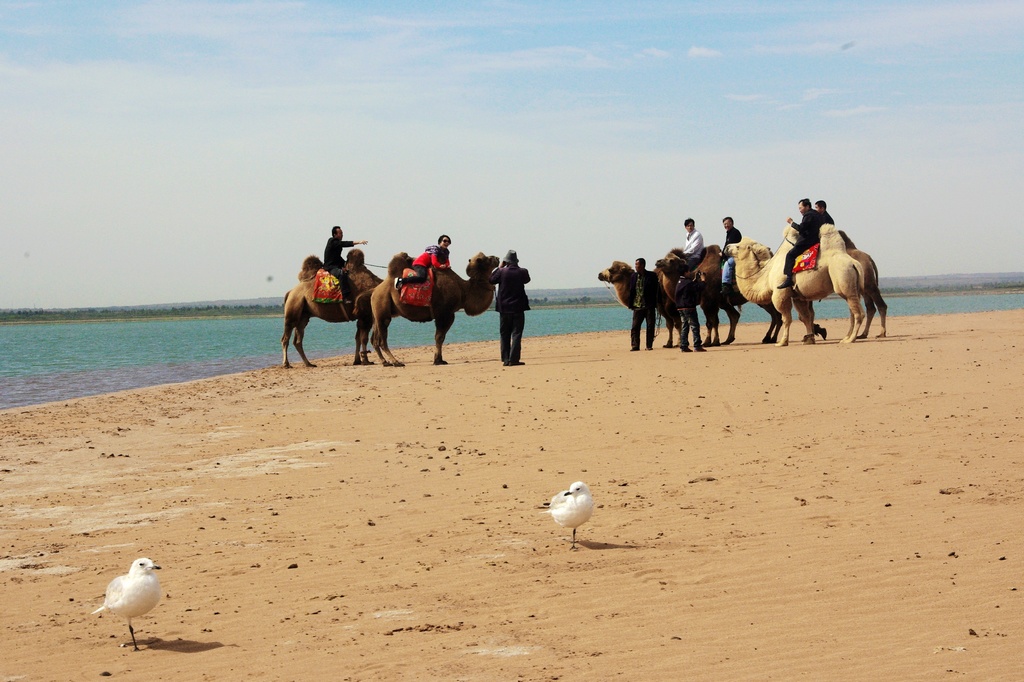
(655,53)
(702,52)
(862,110)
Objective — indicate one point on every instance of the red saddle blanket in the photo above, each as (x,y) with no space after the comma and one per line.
(326,288)
(808,260)
(417,293)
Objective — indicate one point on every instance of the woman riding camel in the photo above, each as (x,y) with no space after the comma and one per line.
(432,256)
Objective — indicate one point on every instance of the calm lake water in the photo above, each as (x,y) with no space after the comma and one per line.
(42,363)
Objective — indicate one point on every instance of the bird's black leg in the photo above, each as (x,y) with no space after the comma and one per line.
(132,630)
(573,539)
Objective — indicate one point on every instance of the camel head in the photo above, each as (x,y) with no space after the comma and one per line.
(748,248)
(672,264)
(399,262)
(616,272)
(481,266)
(309,268)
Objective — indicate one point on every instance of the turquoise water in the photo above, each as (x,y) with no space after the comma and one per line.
(51,362)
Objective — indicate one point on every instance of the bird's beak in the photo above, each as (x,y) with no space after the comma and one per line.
(155,566)
(567,493)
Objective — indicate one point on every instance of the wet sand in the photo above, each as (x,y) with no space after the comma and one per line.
(842,512)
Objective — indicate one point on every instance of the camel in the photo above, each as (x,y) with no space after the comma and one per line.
(758,273)
(451,294)
(712,299)
(869,289)
(618,275)
(299,306)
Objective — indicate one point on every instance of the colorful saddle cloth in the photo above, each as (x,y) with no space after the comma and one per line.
(808,260)
(326,288)
(417,293)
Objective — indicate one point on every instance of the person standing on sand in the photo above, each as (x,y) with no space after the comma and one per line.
(688,290)
(643,301)
(511,304)
(808,231)
(333,261)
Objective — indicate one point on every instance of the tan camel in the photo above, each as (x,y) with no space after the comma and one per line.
(299,306)
(758,274)
(451,294)
(618,275)
(869,289)
(712,299)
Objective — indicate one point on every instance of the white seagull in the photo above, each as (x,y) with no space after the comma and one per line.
(134,594)
(572,508)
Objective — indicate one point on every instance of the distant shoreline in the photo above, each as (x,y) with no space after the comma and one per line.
(229,312)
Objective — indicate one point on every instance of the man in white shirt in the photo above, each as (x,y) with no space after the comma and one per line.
(693,249)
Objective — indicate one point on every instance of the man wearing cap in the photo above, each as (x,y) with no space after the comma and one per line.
(511,304)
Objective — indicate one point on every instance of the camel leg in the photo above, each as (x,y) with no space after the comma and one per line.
(869,307)
(442,323)
(672,323)
(856,317)
(882,309)
(734,319)
(775,323)
(379,339)
(711,325)
(806,314)
(362,336)
(284,345)
(784,304)
(300,333)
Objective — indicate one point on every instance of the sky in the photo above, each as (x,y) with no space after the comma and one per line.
(173,152)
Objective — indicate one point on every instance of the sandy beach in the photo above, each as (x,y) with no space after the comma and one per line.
(842,512)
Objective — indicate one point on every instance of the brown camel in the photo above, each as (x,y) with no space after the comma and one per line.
(872,294)
(451,294)
(712,298)
(299,306)
(618,275)
(758,274)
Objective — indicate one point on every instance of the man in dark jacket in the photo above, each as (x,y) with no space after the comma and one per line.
(688,291)
(822,208)
(333,261)
(808,237)
(511,304)
(643,301)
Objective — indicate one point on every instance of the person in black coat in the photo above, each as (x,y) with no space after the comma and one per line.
(333,261)
(643,301)
(688,291)
(822,208)
(511,304)
(808,237)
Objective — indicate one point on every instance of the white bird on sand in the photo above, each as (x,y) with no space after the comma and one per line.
(572,508)
(134,594)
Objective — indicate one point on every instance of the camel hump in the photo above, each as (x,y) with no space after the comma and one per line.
(846,240)
(356,258)
(309,268)
(714,250)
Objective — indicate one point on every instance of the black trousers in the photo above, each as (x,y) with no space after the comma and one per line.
(801,245)
(418,278)
(639,317)
(342,276)
(510,327)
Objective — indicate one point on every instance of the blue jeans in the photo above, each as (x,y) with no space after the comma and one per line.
(690,322)
(729,270)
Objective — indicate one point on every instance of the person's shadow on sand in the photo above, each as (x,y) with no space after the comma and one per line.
(183,646)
